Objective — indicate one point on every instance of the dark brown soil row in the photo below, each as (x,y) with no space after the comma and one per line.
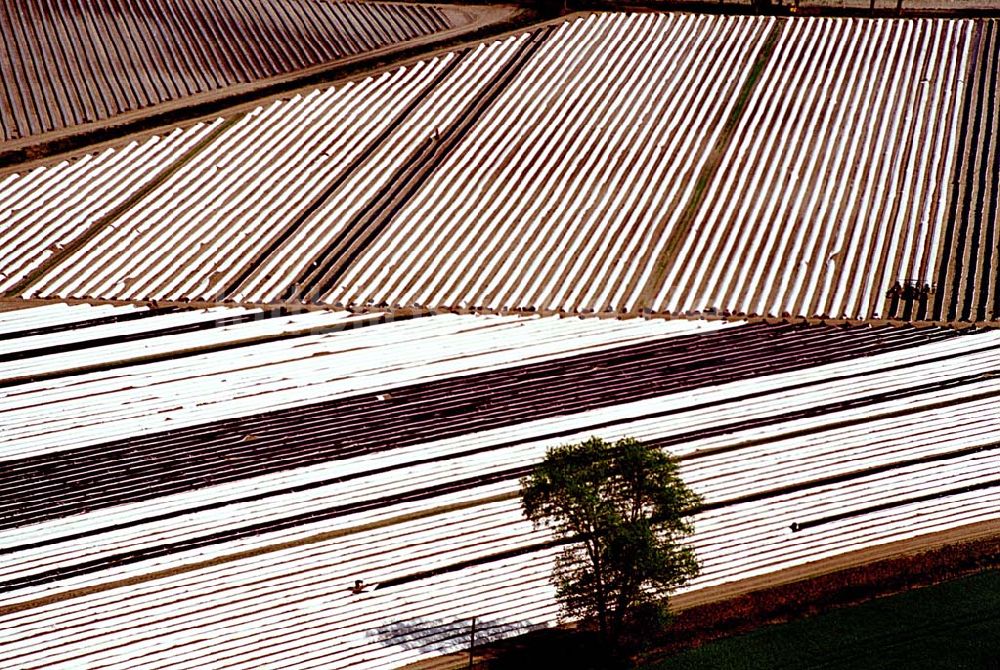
(72,481)
(968,275)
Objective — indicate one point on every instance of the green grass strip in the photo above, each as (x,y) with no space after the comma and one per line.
(951,625)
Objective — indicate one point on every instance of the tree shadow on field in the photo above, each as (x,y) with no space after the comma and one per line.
(556,648)
(446,635)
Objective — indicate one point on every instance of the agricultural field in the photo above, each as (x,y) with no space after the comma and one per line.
(251,193)
(609,163)
(419,125)
(967,279)
(48,208)
(203,486)
(560,195)
(67,63)
(343,324)
(835,184)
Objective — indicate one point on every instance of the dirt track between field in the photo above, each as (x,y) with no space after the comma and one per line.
(474,23)
(481,21)
(11,302)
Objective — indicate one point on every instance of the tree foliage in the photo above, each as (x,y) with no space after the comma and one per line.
(624,511)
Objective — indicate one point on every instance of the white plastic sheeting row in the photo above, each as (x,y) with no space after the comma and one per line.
(45,209)
(65,412)
(559,197)
(103,353)
(906,412)
(835,185)
(17,319)
(103,332)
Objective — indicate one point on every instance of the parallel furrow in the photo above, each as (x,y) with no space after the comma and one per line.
(557,197)
(968,278)
(70,481)
(59,55)
(881,436)
(833,200)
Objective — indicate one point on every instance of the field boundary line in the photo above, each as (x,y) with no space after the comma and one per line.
(318,201)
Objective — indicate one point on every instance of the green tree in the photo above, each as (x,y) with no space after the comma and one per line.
(624,511)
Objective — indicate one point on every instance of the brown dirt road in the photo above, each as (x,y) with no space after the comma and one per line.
(473,23)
